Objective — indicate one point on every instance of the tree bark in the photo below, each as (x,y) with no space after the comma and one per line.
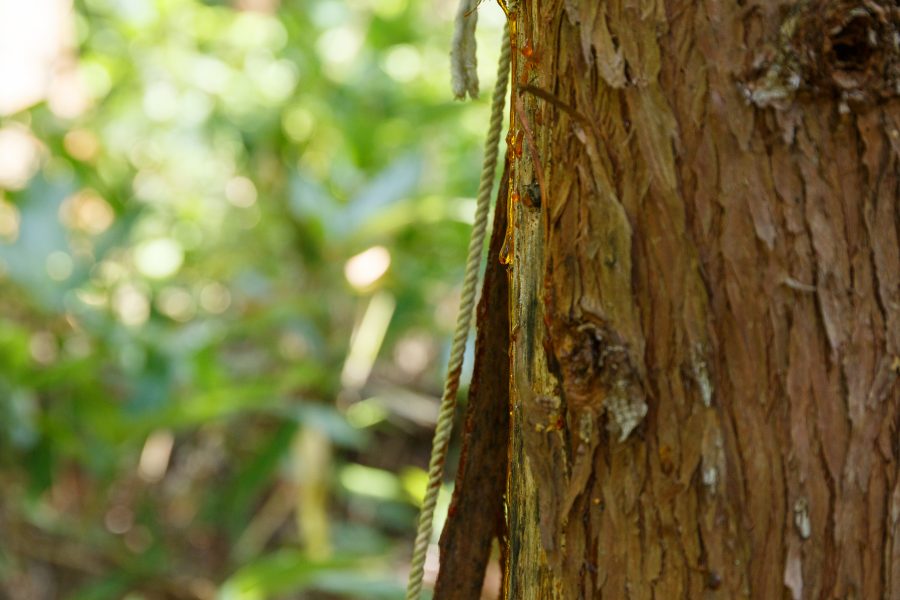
(705,300)
(476,514)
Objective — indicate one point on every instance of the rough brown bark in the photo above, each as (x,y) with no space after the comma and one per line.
(717,240)
(476,514)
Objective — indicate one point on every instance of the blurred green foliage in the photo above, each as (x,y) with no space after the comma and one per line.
(202,392)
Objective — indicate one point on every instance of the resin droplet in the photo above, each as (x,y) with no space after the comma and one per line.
(508,250)
(527,49)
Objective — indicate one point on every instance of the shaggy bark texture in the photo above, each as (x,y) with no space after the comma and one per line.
(705,300)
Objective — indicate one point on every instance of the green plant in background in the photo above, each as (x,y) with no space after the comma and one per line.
(230,237)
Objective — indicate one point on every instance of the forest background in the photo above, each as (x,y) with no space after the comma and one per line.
(231,241)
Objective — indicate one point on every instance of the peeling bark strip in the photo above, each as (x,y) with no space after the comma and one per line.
(476,516)
(717,241)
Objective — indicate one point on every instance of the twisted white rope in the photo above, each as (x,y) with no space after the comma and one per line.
(463,322)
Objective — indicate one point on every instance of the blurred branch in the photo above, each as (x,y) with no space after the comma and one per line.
(271,515)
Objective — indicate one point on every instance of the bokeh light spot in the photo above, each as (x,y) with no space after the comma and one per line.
(81,144)
(158,258)
(215,298)
(176,303)
(9,221)
(119,519)
(240,191)
(403,63)
(86,211)
(19,157)
(367,267)
(298,123)
(338,48)
(59,265)
(131,305)
(160,101)
(43,347)
(155,456)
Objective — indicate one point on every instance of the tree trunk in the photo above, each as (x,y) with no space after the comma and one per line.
(705,300)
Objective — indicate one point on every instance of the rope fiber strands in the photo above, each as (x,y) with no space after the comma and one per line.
(463,57)
(463,323)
